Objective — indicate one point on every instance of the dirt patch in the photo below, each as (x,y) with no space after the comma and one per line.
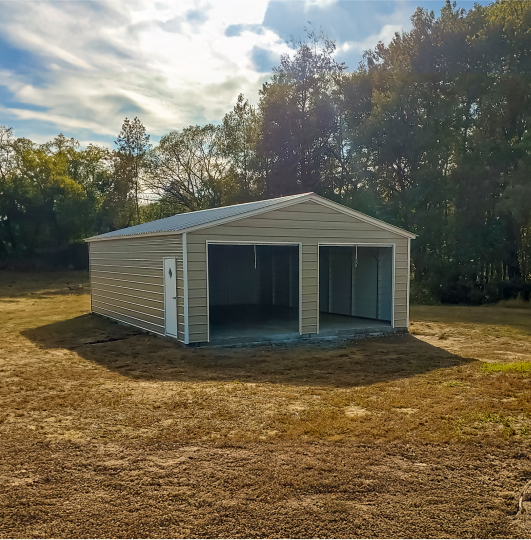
(355,410)
(260,490)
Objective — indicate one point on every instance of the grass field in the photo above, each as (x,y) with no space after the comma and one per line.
(108,432)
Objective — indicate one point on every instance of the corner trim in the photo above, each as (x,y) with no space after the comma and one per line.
(185,280)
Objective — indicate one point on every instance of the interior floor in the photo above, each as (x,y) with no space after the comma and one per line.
(270,323)
(252,321)
(333,323)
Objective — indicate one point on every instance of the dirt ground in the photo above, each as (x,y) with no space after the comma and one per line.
(108,432)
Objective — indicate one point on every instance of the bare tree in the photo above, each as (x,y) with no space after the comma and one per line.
(188,168)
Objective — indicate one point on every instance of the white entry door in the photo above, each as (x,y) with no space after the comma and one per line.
(170,297)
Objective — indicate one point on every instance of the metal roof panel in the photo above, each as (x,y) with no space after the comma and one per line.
(187,220)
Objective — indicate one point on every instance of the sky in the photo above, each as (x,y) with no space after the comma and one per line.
(80,67)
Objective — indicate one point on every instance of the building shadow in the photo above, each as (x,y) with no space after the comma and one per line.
(137,355)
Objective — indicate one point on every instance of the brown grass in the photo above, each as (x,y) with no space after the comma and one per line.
(71,375)
(70,378)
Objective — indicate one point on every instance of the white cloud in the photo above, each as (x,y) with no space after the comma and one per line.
(320,3)
(385,35)
(84,66)
(168,63)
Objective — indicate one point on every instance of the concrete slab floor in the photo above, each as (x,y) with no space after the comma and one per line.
(256,323)
(249,321)
(332,321)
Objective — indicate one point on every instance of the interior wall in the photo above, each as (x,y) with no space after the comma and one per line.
(265,269)
(366,284)
(324,277)
(356,282)
(281,283)
(248,274)
(285,274)
(340,280)
(233,277)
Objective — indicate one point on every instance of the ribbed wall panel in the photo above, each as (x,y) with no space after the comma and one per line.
(127,282)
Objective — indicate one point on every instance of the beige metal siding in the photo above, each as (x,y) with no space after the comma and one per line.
(127,280)
(309,223)
(197,290)
(310,287)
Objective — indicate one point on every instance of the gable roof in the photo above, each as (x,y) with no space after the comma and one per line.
(216,216)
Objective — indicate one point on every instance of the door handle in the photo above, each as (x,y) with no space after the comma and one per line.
(174,297)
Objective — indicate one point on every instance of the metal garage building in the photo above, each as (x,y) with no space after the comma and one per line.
(279,269)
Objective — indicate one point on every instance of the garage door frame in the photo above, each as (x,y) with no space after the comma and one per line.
(253,243)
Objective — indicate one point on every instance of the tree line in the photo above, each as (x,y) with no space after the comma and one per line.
(430,133)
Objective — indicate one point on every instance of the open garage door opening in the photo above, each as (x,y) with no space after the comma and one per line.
(355,289)
(253,292)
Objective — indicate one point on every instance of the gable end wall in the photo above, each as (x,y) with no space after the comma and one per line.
(309,223)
